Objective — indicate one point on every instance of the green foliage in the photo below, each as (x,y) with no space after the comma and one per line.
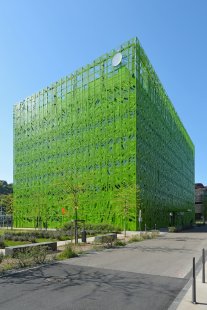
(39,254)
(172,229)
(8,266)
(205,205)
(107,241)
(155,234)
(1,257)
(14,243)
(68,252)
(128,201)
(31,256)
(119,243)
(5,188)
(143,236)
(20,237)
(13,238)
(6,201)
(24,258)
(92,229)
(6,197)
(2,242)
(101,228)
(135,238)
(33,235)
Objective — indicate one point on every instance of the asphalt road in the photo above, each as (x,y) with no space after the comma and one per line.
(169,255)
(144,276)
(64,286)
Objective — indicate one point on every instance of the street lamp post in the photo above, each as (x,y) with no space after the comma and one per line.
(76,225)
(140,219)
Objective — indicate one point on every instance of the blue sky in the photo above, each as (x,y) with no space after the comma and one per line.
(44,40)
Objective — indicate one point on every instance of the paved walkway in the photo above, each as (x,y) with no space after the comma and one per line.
(184,298)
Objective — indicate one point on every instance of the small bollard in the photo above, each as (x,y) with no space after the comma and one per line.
(203,261)
(194,284)
(145,227)
(155,227)
(83,233)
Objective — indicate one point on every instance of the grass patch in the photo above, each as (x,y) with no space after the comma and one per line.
(143,236)
(154,234)
(8,266)
(92,229)
(14,243)
(146,236)
(31,256)
(14,238)
(98,247)
(68,252)
(1,257)
(119,243)
(135,238)
(39,240)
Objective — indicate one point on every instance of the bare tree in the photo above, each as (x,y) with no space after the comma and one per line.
(72,188)
(128,202)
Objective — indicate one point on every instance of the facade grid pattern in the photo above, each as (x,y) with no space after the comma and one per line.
(99,130)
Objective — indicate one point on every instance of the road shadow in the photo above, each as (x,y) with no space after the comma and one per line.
(90,286)
(196,229)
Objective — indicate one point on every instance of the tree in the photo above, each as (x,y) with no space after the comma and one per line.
(71,189)
(205,205)
(6,197)
(5,188)
(6,202)
(128,202)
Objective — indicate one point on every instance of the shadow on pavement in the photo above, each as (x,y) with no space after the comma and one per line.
(88,287)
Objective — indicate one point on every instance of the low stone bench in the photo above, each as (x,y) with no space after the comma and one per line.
(11,250)
(105,238)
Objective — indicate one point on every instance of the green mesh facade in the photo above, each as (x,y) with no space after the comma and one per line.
(101,130)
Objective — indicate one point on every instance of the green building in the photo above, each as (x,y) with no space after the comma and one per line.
(107,142)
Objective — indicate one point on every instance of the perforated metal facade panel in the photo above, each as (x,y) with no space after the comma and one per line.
(100,128)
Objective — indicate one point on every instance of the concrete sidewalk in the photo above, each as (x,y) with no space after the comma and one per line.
(184,299)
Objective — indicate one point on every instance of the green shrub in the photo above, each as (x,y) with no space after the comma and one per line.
(102,228)
(119,243)
(8,266)
(107,241)
(18,236)
(154,234)
(68,226)
(39,254)
(2,242)
(24,258)
(1,257)
(146,236)
(135,238)
(68,252)
(31,256)
(91,229)
(172,229)
(34,235)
